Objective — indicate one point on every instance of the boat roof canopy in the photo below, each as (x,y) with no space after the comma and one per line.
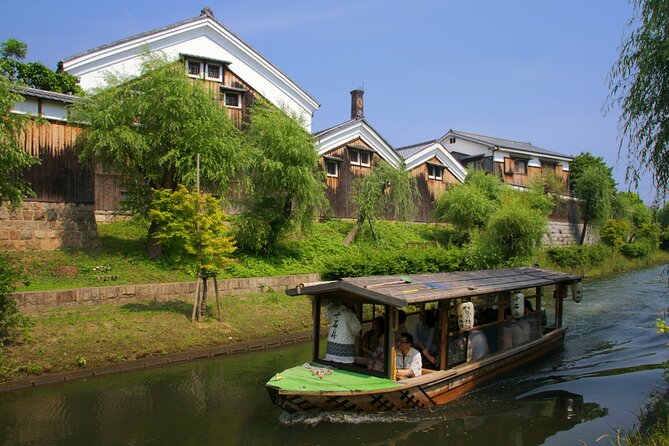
(400,291)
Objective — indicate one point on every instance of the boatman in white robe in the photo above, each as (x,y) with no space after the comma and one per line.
(344,328)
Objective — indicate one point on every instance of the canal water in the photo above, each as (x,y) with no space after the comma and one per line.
(610,371)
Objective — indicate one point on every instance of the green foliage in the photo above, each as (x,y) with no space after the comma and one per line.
(386,191)
(634,250)
(639,88)
(502,226)
(153,127)
(10,318)
(13,158)
(468,206)
(516,228)
(614,233)
(577,257)
(594,186)
(193,230)
(664,241)
(629,206)
(13,49)
(584,161)
(286,187)
(33,74)
(662,216)
(365,262)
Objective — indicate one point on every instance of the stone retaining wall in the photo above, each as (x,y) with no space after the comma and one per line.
(44,226)
(160,292)
(565,234)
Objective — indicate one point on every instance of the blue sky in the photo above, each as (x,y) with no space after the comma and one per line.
(526,70)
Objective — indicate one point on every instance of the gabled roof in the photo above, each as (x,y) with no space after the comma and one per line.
(204,36)
(417,154)
(341,134)
(507,144)
(44,94)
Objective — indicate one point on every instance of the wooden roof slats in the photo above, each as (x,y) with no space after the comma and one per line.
(406,290)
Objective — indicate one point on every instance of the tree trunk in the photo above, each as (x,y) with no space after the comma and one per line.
(155,251)
(585,221)
(353,232)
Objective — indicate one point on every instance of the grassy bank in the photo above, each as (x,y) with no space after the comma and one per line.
(62,339)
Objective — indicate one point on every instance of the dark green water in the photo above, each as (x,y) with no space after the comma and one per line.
(609,371)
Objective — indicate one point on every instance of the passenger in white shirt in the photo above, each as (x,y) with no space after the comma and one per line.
(407,360)
(344,329)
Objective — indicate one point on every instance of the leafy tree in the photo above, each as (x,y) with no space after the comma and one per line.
(638,85)
(13,157)
(33,74)
(153,127)
(193,230)
(629,206)
(592,183)
(286,189)
(662,216)
(386,190)
(469,205)
(614,233)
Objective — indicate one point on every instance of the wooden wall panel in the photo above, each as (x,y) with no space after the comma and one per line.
(59,177)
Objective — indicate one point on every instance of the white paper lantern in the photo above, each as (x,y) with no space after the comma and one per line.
(518,305)
(465,315)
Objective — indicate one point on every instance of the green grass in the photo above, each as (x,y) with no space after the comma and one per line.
(122,256)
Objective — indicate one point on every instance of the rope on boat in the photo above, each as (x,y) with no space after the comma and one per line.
(318,371)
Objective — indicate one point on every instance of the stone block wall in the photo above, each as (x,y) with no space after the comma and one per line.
(159,292)
(565,234)
(44,226)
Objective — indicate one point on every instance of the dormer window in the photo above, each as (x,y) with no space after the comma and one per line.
(435,172)
(214,72)
(194,68)
(360,158)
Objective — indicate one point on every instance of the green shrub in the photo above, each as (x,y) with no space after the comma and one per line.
(579,256)
(360,263)
(10,318)
(664,241)
(634,250)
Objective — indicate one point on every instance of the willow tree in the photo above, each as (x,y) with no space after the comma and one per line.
(639,85)
(387,191)
(13,157)
(593,184)
(152,128)
(285,185)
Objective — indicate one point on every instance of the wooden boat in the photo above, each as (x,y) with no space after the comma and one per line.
(327,385)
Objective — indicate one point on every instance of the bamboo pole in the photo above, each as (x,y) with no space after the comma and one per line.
(196,300)
(218,301)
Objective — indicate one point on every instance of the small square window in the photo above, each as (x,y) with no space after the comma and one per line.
(434,172)
(232,100)
(520,166)
(452,140)
(365,159)
(355,157)
(332,168)
(194,68)
(214,72)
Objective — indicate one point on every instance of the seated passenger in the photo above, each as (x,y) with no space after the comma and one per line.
(477,345)
(378,360)
(407,361)
(424,337)
(515,332)
(370,340)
